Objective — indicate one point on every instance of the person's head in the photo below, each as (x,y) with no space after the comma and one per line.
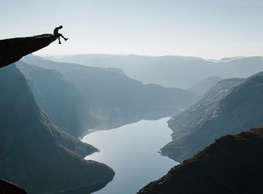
(60,27)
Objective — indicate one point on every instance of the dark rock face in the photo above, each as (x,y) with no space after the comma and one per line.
(11,50)
(10,188)
(232,106)
(35,153)
(231,165)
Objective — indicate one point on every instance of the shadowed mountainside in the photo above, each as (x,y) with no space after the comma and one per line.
(233,164)
(13,49)
(60,99)
(35,153)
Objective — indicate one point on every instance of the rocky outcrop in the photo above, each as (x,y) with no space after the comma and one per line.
(233,164)
(13,49)
(9,188)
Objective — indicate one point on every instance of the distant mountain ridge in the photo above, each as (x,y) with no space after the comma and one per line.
(171,71)
(115,98)
(230,107)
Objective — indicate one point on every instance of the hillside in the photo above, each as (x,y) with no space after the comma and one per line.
(232,164)
(115,97)
(60,100)
(204,85)
(230,107)
(36,154)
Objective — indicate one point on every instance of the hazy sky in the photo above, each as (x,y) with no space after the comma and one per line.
(203,28)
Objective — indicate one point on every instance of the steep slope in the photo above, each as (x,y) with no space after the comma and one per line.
(233,164)
(36,154)
(220,112)
(60,100)
(13,49)
(112,95)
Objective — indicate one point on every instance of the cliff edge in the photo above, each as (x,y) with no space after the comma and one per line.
(13,49)
(8,187)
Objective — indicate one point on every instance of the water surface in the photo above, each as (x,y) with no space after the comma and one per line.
(132,152)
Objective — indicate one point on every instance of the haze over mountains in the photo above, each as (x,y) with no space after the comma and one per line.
(46,105)
(43,108)
(171,71)
(112,97)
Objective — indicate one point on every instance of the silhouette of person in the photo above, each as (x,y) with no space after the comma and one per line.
(58,35)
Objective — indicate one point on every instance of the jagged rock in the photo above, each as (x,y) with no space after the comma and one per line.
(9,188)
(233,164)
(13,49)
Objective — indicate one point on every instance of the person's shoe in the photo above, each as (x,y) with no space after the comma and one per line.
(59,43)
(66,39)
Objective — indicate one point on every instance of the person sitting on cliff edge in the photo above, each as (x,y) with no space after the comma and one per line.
(58,35)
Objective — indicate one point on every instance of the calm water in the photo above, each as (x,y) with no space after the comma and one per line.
(132,152)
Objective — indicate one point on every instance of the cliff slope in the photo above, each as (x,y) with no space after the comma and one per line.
(36,154)
(59,98)
(233,164)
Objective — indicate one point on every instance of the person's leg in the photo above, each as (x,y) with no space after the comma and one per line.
(59,40)
(64,37)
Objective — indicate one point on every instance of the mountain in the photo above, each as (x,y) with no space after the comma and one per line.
(36,154)
(13,49)
(171,71)
(204,85)
(115,97)
(230,107)
(232,164)
(60,100)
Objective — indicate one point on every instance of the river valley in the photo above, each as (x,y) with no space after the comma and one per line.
(132,151)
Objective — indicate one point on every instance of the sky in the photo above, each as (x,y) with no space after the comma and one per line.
(211,29)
